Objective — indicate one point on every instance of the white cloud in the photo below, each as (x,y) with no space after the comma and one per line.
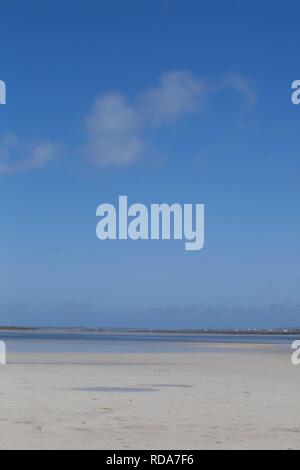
(116,128)
(114,132)
(17,156)
(178,93)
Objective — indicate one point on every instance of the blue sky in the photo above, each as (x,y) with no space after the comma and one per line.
(165,101)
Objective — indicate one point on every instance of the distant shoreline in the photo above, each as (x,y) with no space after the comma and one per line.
(189,331)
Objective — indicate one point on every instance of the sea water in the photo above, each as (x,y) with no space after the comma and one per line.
(126,342)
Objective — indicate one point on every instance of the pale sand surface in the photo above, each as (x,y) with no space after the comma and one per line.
(199,400)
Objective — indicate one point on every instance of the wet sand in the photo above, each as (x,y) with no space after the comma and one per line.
(229,398)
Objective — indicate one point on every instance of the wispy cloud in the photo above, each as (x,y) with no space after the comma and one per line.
(242,85)
(114,132)
(17,156)
(177,94)
(116,127)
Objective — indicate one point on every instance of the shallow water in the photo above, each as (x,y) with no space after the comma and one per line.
(123,342)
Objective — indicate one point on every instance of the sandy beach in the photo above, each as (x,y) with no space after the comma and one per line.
(223,399)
